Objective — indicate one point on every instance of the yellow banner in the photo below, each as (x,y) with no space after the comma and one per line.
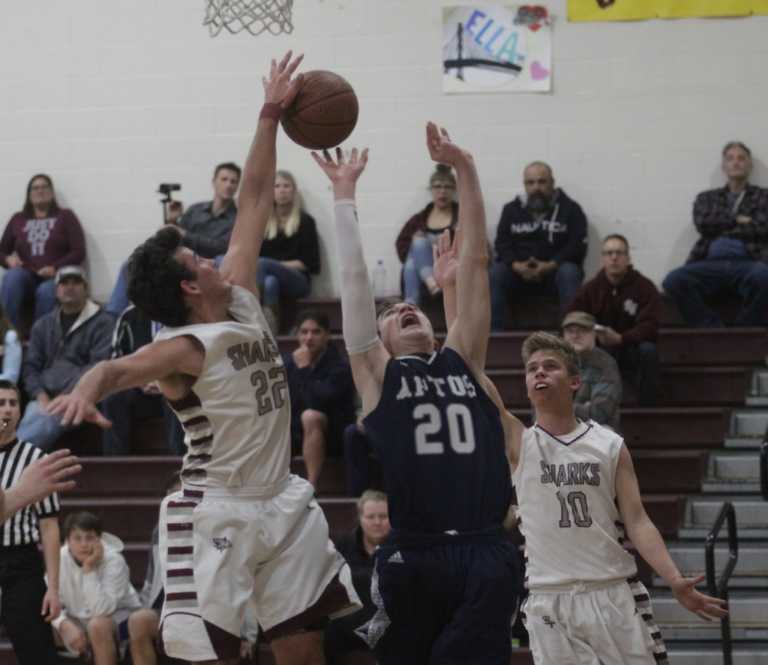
(633,10)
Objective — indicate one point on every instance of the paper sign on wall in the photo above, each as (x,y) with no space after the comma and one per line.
(630,10)
(497,48)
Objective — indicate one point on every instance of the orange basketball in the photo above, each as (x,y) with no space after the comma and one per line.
(324,112)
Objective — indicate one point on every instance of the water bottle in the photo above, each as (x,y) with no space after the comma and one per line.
(379,279)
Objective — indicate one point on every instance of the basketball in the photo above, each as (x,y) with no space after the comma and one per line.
(324,112)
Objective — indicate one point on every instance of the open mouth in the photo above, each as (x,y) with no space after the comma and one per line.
(408,320)
(4,422)
(540,386)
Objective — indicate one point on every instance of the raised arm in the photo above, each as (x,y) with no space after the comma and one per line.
(258,183)
(649,543)
(154,362)
(367,355)
(469,334)
(445,267)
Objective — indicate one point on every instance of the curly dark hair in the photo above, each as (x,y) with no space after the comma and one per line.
(154,279)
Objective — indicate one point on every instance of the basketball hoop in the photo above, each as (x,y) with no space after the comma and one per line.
(255,16)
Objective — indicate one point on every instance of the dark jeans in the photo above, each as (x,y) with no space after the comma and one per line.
(639,363)
(691,285)
(19,287)
(508,285)
(277,281)
(127,406)
(23,587)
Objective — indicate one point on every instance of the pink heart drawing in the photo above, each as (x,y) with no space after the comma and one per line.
(538,71)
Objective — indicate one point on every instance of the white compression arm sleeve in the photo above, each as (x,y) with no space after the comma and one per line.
(358,309)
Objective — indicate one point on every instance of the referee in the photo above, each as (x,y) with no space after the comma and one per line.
(27,605)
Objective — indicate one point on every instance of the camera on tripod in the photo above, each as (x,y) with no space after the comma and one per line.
(166,188)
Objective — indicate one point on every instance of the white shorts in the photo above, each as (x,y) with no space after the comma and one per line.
(223,552)
(594,624)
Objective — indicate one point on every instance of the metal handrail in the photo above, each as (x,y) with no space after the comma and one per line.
(719,587)
(764,469)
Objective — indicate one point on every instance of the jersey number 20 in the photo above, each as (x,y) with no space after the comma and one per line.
(429,422)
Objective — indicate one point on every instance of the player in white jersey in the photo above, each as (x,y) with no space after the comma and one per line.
(586,605)
(243,531)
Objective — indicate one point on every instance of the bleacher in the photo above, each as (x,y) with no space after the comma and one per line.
(706,375)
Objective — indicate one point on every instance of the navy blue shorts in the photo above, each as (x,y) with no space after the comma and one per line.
(444,604)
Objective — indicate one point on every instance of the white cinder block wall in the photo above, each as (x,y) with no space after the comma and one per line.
(113,98)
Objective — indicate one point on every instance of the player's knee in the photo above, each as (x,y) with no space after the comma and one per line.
(312,420)
(100,629)
(143,624)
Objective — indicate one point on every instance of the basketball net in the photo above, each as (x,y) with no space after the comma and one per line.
(255,16)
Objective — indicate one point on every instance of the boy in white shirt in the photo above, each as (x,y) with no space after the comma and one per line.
(95,590)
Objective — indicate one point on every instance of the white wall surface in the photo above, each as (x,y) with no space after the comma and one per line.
(113,97)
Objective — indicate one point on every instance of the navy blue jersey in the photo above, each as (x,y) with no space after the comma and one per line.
(440,442)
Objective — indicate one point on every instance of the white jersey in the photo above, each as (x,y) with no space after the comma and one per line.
(566,491)
(237,415)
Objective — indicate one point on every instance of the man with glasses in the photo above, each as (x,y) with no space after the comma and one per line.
(541,243)
(627,307)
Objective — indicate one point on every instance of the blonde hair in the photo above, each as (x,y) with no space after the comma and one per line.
(370,495)
(290,225)
(542,341)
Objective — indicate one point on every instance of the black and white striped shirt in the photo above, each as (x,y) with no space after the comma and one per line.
(21,528)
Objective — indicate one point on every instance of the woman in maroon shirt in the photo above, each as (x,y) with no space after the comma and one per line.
(37,242)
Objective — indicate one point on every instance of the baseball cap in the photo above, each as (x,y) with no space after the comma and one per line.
(582,319)
(70,271)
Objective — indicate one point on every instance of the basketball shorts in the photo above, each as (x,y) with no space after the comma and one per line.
(592,624)
(227,550)
(443,604)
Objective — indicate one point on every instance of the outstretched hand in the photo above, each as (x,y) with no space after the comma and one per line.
(706,607)
(441,149)
(278,87)
(344,171)
(445,260)
(74,410)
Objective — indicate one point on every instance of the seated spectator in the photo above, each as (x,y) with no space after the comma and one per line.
(322,393)
(37,241)
(206,227)
(290,252)
(10,350)
(731,256)
(64,344)
(599,395)
(125,408)
(415,241)
(357,548)
(26,603)
(541,242)
(95,590)
(627,307)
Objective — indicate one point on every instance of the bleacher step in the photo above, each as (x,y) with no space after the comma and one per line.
(752,559)
(749,423)
(746,609)
(751,512)
(683,653)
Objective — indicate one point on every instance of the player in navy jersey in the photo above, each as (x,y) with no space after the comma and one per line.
(445,581)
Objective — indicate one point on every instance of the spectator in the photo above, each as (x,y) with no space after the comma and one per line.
(64,344)
(415,240)
(730,257)
(11,351)
(95,590)
(290,252)
(627,307)
(541,242)
(206,227)
(357,548)
(37,241)
(21,566)
(599,394)
(132,331)
(322,393)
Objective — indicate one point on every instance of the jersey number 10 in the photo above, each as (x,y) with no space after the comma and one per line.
(579,509)
(429,422)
